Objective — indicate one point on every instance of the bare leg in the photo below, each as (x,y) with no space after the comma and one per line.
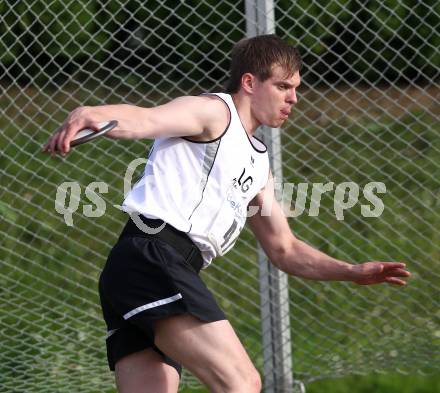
(145,372)
(211,351)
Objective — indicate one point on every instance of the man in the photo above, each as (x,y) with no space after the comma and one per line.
(205,169)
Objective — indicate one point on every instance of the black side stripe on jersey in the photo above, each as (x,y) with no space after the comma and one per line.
(208,163)
(147,169)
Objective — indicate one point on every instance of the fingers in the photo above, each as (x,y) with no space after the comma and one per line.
(64,135)
(59,142)
(68,133)
(398,273)
(393,274)
(67,138)
(393,265)
(53,144)
(395,281)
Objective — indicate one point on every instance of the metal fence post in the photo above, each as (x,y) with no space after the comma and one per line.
(274,294)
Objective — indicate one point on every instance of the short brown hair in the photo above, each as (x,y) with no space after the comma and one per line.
(257,55)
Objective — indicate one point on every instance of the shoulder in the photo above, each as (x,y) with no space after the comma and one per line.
(213,112)
(206,103)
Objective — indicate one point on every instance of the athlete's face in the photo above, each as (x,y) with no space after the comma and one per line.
(273,99)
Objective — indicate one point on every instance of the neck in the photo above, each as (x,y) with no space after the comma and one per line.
(242,103)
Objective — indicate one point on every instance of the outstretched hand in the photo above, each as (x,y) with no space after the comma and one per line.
(379,272)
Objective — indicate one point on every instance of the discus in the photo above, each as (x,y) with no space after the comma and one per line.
(86,135)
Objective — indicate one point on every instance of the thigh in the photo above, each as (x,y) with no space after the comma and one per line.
(210,350)
(145,372)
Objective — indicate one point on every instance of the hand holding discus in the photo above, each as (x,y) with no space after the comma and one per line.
(62,141)
(86,134)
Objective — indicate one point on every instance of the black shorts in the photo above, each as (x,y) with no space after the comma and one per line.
(149,277)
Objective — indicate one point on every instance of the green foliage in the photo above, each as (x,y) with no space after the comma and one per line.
(367,41)
(41,40)
(364,41)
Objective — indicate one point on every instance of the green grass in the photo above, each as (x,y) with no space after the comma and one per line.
(49,271)
(373,383)
(389,383)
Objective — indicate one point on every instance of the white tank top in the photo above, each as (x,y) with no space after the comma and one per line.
(203,188)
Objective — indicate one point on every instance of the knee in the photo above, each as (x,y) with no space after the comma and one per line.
(244,381)
(254,381)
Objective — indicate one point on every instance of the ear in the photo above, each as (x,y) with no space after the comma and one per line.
(247,82)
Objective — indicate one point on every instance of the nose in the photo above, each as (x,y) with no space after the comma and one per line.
(291,98)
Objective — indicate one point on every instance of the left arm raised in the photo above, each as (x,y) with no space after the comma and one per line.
(296,257)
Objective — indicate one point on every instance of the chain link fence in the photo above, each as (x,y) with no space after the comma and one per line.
(368,112)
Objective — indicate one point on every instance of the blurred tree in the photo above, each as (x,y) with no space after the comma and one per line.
(375,41)
(184,42)
(43,41)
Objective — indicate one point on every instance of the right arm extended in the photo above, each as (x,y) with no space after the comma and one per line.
(183,116)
